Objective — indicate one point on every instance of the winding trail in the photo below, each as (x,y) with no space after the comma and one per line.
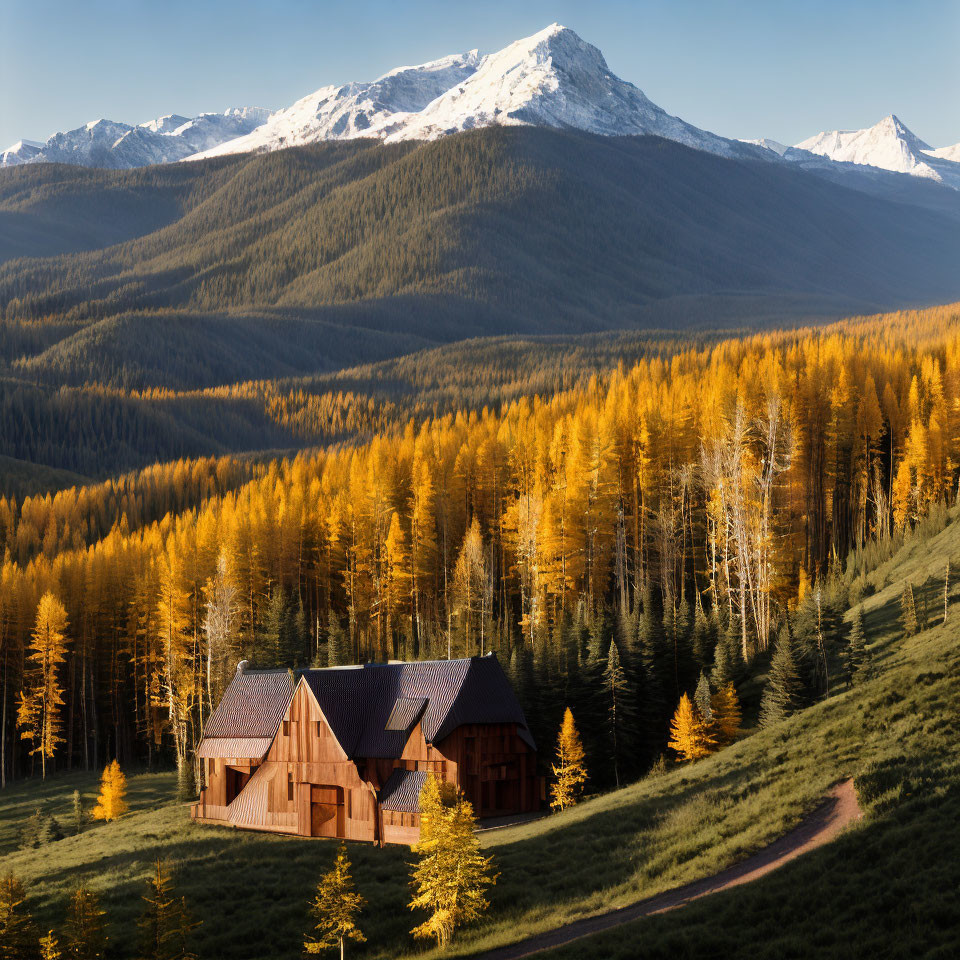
(838,810)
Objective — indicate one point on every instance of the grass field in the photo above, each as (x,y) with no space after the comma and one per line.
(888,887)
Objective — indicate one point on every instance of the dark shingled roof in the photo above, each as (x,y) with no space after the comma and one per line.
(360,702)
(401,792)
(252,705)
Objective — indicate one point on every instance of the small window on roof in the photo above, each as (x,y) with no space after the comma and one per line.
(286,728)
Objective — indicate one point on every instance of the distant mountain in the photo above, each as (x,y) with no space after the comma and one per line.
(501,230)
(888,145)
(552,79)
(113,145)
(21,152)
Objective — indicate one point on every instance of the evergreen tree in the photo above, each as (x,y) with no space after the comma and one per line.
(857,668)
(77,814)
(783,693)
(111,803)
(569,771)
(338,644)
(703,639)
(701,698)
(722,672)
(18,938)
(86,937)
(451,877)
(690,734)
(619,710)
(272,634)
(336,907)
(165,924)
(908,612)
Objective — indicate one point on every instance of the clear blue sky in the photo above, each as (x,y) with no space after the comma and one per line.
(741,68)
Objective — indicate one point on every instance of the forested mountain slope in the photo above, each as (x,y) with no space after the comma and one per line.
(489,232)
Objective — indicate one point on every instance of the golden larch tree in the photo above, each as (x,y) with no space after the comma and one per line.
(726,713)
(50,947)
(690,734)
(451,877)
(570,771)
(17,935)
(86,937)
(336,907)
(38,713)
(113,791)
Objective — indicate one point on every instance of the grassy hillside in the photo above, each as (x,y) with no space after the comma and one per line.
(491,232)
(888,887)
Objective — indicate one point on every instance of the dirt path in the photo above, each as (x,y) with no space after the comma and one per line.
(839,809)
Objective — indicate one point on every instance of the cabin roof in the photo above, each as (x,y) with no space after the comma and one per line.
(401,792)
(372,708)
(249,714)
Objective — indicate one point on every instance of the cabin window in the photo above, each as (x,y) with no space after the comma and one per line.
(286,728)
(319,728)
(290,786)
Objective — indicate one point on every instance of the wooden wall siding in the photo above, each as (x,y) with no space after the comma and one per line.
(214,792)
(494,767)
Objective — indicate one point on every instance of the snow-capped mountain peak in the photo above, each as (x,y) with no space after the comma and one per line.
(889,145)
(553,78)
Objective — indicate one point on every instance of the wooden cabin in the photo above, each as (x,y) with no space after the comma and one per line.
(344,751)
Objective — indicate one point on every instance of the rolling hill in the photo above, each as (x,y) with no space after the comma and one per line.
(496,231)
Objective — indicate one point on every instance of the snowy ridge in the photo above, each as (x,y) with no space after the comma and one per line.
(888,145)
(351,110)
(107,143)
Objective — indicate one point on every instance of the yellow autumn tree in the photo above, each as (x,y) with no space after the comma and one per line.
(726,713)
(451,877)
(336,907)
(38,713)
(50,947)
(690,734)
(569,771)
(111,803)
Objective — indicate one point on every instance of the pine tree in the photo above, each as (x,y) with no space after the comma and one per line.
(722,672)
(703,639)
(451,877)
(569,771)
(690,734)
(338,644)
(908,612)
(336,907)
(619,708)
(50,947)
(701,698)
(727,715)
(77,814)
(38,713)
(165,924)
(86,937)
(783,693)
(18,938)
(856,664)
(111,803)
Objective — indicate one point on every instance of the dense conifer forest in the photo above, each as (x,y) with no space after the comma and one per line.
(612,517)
